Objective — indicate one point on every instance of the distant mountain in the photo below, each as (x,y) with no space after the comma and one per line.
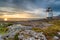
(56,17)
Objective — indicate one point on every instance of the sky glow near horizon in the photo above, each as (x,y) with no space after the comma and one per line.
(33,8)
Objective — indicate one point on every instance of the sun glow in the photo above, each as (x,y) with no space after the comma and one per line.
(5,19)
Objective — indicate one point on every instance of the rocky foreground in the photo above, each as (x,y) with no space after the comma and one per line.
(33,30)
(24,33)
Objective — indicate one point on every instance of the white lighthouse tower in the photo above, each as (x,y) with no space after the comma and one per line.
(49,13)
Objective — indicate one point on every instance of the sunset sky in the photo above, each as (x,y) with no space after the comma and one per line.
(32,8)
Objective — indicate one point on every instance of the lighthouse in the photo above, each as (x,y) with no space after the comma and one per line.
(49,13)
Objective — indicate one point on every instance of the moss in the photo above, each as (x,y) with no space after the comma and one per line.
(37,29)
(16,37)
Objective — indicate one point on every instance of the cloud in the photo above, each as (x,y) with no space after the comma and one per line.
(7,9)
(56,13)
(22,15)
(36,7)
(57,2)
(39,12)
